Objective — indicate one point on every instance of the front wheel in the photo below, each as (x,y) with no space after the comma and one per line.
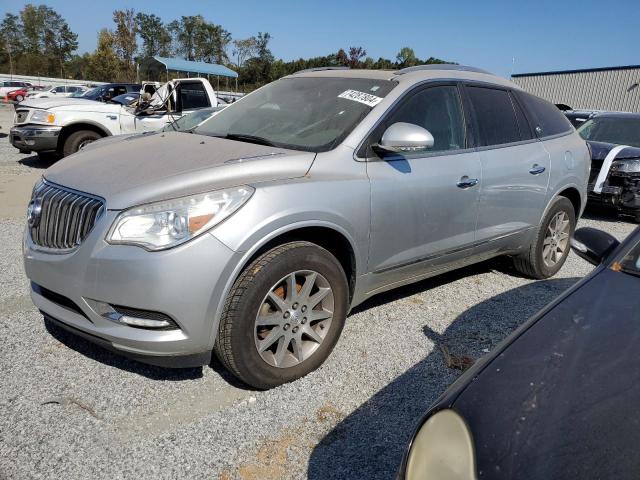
(548,252)
(79,139)
(19,98)
(283,315)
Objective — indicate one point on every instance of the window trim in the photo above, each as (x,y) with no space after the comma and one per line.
(398,103)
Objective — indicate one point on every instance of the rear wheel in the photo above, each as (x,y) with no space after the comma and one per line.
(19,98)
(283,315)
(548,252)
(77,140)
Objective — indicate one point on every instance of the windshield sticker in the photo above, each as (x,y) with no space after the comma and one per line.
(356,96)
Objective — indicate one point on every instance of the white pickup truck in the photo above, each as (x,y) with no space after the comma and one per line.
(60,127)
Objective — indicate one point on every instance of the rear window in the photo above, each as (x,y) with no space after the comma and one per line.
(495,116)
(193,95)
(548,119)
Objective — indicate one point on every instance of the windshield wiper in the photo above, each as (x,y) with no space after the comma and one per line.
(249,138)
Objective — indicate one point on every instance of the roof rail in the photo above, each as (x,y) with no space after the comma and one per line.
(319,69)
(441,66)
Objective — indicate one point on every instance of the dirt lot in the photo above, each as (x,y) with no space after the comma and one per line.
(71,410)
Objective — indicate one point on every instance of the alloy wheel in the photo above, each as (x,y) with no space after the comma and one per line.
(294,318)
(556,240)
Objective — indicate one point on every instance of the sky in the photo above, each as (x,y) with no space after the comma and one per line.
(503,37)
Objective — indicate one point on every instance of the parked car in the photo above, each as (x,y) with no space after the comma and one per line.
(17,95)
(557,398)
(614,141)
(578,117)
(58,91)
(126,99)
(60,127)
(10,85)
(254,235)
(104,93)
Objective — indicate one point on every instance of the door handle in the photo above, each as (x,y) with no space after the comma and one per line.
(466,182)
(537,169)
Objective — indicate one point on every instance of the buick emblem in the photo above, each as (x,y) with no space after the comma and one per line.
(34,211)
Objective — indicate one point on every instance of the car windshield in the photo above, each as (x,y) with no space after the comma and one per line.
(631,261)
(190,120)
(303,113)
(618,130)
(92,94)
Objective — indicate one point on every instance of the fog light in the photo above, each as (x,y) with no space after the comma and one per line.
(30,142)
(133,317)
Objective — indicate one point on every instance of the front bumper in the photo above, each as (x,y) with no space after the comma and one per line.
(620,191)
(187,283)
(31,138)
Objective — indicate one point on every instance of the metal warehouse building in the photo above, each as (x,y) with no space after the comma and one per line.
(614,88)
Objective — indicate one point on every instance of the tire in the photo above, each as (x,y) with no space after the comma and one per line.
(19,98)
(532,263)
(74,141)
(240,337)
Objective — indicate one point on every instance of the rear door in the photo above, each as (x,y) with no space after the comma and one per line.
(515,165)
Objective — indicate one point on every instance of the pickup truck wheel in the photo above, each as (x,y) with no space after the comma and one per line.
(548,252)
(283,315)
(78,139)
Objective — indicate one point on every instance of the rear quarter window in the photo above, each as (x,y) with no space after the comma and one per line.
(547,119)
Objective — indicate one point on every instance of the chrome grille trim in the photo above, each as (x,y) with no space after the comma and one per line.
(67,218)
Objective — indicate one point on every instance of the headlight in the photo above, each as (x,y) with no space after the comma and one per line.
(627,166)
(442,449)
(43,116)
(162,225)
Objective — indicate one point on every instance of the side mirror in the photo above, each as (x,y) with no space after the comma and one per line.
(593,245)
(405,137)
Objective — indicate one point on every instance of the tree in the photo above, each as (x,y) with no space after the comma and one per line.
(406,57)
(124,41)
(104,62)
(156,39)
(244,49)
(184,32)
(355,54)
(211,42)
(13,41)
(59,42)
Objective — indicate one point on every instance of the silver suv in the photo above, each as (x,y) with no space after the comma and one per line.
(253,236)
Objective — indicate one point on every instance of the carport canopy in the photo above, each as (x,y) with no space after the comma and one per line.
(152,68)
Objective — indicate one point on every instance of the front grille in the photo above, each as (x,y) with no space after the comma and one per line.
(62,218)
(21,116)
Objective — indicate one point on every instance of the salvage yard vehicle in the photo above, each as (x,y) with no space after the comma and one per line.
(17,95)
(614,141)
(59,91)
(60,127)
(107,91)
(10,85)
(255,235)
(550,402)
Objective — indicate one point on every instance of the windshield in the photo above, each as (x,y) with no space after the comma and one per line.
(304,113)
(631,261)
(190,121)
(91,94)
(618,130)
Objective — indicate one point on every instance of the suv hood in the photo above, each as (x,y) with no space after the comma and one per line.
(149,168)
(78,104)
(599,151)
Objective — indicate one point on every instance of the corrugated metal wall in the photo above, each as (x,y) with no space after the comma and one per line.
(615,89)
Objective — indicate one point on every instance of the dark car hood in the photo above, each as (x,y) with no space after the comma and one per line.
(154,167)
(599,151)
(561,400)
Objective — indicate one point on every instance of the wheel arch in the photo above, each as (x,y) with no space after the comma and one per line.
(573,195)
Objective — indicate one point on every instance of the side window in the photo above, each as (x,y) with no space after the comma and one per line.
(193,95)
(523,123)
(547,118)
(438,109)
(119,90)
(59,89)
(495,116)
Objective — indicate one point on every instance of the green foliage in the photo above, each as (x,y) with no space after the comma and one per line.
(38,41)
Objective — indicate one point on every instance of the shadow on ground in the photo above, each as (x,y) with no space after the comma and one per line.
(36,162)
(603,214)
(370,442)
(99,354)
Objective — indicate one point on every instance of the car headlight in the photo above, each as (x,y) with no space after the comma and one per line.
(627,166)
(442,449)
(43,116)
(162,225)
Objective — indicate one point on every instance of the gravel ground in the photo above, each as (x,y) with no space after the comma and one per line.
(71,410)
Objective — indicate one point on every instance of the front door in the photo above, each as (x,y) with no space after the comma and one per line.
(424,205)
